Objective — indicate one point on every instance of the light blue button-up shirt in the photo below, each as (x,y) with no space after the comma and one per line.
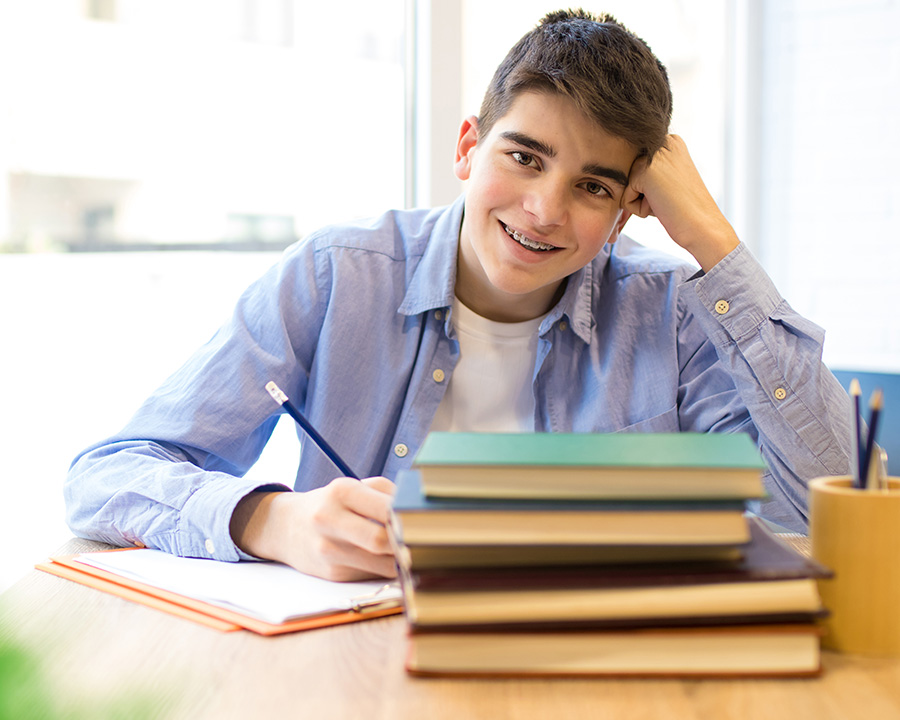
(354,321)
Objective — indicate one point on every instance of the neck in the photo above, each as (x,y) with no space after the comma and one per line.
(485,300)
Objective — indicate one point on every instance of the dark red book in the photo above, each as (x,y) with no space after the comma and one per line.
(771,580)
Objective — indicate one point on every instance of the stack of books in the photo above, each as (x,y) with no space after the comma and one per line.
(586,554)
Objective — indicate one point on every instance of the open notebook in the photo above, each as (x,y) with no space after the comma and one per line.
(265,597)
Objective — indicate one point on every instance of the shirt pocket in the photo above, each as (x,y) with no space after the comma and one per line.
(666,422)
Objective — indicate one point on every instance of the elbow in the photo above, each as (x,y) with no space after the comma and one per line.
(76,492)
(86,492)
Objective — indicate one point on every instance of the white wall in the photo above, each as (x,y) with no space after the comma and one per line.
(829,185)
(200,123)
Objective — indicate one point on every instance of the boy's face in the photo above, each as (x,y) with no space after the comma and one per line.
(544,196)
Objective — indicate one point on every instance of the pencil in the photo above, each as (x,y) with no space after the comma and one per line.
(289,408)
(857,446)
(875,405)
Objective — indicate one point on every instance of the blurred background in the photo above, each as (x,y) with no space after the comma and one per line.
(157,155)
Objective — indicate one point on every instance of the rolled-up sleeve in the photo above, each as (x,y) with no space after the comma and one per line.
(173,476)
(774,356)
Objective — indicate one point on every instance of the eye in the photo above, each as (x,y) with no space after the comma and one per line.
(595,188)
(523,158)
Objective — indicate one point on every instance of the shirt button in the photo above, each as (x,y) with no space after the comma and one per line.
(563,325)
(780,394)
(139,544)
(438,315)
(722,307)
(400,450)
(210,546)
(438,375)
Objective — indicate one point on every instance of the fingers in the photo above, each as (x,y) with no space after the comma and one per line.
(336,532)
(369,498)
(355,513)
(341,534)
(638,205)
(634,199)
(341,562)
(382,484)
(669,187)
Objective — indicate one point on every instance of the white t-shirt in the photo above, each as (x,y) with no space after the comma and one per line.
(490,389)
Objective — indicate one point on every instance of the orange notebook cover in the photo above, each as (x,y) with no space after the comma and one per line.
(68,567)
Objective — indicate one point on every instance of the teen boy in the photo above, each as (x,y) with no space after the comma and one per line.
(520,307)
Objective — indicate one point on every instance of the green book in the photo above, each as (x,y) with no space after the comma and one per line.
(628,466)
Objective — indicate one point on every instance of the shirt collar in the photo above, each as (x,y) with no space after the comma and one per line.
(433,282)
(583,289)
(434,278)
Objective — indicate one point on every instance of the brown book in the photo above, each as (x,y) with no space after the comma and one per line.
(501,556)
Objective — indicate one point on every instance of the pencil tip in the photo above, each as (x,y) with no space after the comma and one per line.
(877,401)
(855,389)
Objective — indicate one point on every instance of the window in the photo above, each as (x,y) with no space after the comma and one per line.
(269,22)
(178,116)
(260,230)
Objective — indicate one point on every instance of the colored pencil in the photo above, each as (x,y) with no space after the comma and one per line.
(857,449)
(875,406)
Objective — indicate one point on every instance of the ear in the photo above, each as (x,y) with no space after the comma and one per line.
(465,145)
(620,224)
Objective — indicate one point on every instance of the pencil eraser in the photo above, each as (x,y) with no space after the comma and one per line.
(276,393)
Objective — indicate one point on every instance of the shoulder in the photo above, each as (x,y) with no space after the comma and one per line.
(376,258)
(628,258)
(396,235)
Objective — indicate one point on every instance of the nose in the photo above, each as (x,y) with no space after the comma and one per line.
(547,202)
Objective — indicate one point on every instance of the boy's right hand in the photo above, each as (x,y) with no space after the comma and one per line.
(336,532)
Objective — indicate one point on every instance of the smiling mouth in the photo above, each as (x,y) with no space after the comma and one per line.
(527,242)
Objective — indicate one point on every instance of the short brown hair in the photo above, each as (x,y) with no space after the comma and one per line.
(610,74)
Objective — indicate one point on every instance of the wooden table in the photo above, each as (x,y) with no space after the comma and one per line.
(97,644)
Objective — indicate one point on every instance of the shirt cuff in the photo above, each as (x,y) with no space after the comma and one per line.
(204,527)
(738,293)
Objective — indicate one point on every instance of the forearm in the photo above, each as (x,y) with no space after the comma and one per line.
(136,492)
(711,241)
(254,527)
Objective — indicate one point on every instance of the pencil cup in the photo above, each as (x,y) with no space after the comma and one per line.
(856,533)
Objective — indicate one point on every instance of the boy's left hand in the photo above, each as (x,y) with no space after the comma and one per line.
(670,188)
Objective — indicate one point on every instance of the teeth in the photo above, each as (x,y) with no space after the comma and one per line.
(526,241)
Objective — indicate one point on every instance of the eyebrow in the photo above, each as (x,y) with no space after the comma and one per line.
(526,141)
